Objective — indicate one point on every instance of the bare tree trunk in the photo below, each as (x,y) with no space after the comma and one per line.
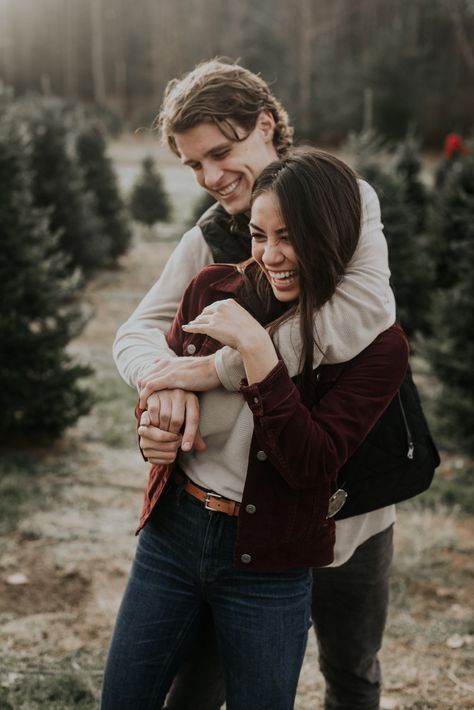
(7,63)
(98,73)
(305,66)
(69,45)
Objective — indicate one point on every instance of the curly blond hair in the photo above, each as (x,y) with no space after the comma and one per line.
(224,94)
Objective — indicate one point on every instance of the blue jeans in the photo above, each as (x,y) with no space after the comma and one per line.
(182,568)
(349,609)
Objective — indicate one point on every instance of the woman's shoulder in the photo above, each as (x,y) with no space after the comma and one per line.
(216,276)
(393,338)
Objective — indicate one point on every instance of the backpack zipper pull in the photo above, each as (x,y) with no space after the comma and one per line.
(411,445)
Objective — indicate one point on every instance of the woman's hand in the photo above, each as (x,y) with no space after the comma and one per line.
(171,410)
(158,446)
(230,324)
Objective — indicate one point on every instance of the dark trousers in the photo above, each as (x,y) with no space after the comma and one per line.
(349,611)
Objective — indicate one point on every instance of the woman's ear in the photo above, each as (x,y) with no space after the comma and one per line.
(266,125)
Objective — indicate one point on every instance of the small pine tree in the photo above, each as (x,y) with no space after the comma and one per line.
(101,181)
(149,202)
(410,267)
(450,220)
(408,167)
(451,349)
(39,390)
(59,186)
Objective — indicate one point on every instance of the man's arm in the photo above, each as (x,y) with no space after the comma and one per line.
(362,307)
(140,341)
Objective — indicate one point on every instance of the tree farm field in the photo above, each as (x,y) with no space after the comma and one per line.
(68,515)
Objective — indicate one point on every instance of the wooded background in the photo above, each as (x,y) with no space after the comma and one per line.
(334,64)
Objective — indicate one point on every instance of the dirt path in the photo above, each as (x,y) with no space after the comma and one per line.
(63,569)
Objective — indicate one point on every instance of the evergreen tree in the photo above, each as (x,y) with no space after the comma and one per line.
(409,264)
(149,202)
(450,221)
(451,349)
(39,390)
(408,167)
(101,181)
(58,185)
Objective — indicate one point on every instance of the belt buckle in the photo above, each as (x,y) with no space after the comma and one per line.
(207,501)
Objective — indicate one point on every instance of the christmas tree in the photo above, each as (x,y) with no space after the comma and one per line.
(409,263)
(101,181)
(408,167)
(59,186)
(149,202)
(39,383)
(451,349)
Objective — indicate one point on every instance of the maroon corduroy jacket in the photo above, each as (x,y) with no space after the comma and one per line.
(297,449)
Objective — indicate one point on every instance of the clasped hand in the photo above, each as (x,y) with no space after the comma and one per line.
(167,392)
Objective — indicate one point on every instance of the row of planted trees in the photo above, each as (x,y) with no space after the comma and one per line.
(62,219)
(430,234)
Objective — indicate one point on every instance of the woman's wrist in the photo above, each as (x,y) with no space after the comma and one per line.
(259,357)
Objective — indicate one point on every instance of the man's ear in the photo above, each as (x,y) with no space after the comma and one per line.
(266,125)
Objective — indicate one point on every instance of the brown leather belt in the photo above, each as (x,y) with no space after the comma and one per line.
(212,501)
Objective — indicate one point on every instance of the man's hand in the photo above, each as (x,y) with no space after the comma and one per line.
(158,446)
(169,410)
(195,374)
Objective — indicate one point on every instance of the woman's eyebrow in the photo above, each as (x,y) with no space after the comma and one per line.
(280,230)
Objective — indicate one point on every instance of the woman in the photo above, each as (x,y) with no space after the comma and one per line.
(236,527)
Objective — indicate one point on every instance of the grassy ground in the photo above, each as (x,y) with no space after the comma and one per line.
(66,540)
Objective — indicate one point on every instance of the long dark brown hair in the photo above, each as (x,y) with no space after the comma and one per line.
(320,205)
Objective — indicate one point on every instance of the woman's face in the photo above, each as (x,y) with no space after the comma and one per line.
(272,248)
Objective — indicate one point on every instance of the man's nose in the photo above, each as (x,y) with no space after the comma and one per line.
(212,176)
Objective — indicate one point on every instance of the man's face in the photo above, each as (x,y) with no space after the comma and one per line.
(225,168)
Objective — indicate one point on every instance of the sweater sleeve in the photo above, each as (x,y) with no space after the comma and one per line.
(304,444)
(362,307)
(140,341)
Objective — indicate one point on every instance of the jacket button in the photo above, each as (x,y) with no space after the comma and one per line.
(261,456)
(250,509)
(191,349)
(256,400)
(246,559)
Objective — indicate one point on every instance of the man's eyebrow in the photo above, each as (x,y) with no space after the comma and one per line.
(214,149)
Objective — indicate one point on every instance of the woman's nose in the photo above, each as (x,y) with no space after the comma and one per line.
(272,255)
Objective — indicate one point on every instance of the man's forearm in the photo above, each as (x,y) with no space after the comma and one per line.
(140,341)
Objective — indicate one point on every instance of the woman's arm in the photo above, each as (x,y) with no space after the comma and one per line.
(303,444)
(300,443)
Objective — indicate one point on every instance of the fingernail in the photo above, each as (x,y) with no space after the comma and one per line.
(186,446)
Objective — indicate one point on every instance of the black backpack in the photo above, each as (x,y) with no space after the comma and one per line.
(396,461)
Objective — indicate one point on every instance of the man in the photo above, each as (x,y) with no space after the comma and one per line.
(223,122)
